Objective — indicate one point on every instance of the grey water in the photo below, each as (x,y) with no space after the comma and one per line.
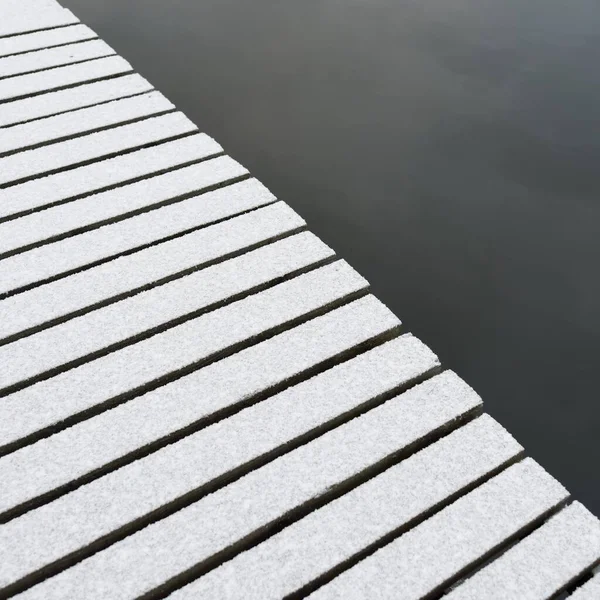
(448,149)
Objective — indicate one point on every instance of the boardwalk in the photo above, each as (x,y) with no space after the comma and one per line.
(201,400)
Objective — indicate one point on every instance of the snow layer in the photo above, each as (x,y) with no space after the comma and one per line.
(143,194)
(589,591)
(78,97)
(93,146)
(45,39)
(116,322)
(91,384)
(542,563)
(99,175)
(38,264)
(53,57)
(231,443)
(430,555)
(147,267)
(82,121)
(20,16)
(43,81)
(333,534)
(162,550)
(197,460)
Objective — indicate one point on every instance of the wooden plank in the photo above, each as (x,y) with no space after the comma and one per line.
(89,94)
(65,125)
(142,195)
(21,17)
(258,431)
(430,556)
(60,77)
(334,534)
(102,328)
(120,170)
(92,147)
(144,365)
(53,57)
(248,507)
(63,256)
(154,265)
(543,563)
(45,39)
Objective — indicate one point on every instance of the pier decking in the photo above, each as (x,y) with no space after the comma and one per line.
(199,399)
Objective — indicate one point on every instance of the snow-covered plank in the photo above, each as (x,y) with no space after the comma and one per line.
(281,489)
(91,178)
(21,17)
(271,426)
(91,333)
(308,549)
(52,79)
(543,563)
(89,94)
(38,264)
(45,39)
(588,591)
(177,350)
(85,120)
(143,269)
(53,57)
(428,557)
(93,146)
(119,202)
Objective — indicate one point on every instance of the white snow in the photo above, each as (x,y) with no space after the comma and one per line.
(225,383)
(146,193)
(226,447)
(93,146)
(53,57)
(20,16)
(86,248)
(96,176)
(333,534)
(108,325)
(82,121)
(45,39)
(144,268)
(426,558)
(52,103)
(144,560)
(588,591)
(542,563)
(43,81)
(96,382)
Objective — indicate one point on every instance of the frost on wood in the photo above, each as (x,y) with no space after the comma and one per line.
(541,564)
(427,557)
(132,316)
(107,173)
(81,121)
(48,58)
(184,346)
(44,39)
(333,534)
(191,181)
(59,77)
(71,99)
(93,146)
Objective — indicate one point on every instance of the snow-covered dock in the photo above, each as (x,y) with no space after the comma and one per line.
(199,399)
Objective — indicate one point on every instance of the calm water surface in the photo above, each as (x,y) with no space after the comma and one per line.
(448,149)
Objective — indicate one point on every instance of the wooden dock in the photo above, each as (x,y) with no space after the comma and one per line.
(199,399)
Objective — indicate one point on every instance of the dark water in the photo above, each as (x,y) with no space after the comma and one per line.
(448,149)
